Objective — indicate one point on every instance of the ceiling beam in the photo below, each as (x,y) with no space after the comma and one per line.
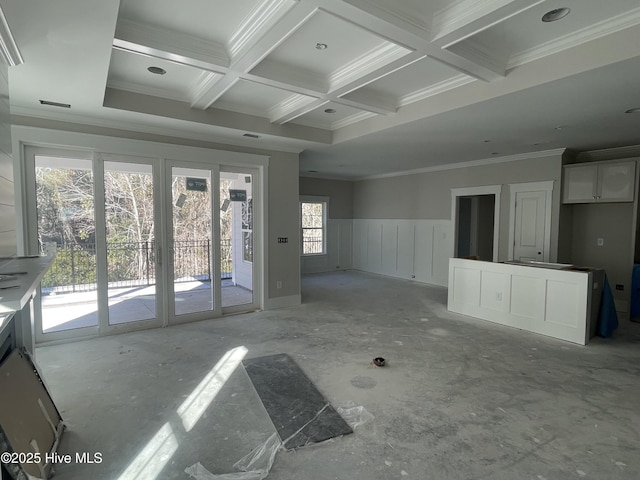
(401,31)
(169,45)
(466,18)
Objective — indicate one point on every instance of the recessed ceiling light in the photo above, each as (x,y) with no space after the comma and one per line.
(555,14)
(312,171)
(633,110)
(54,104)
(321,46)
(330,110)
(495,153)
(251,135)
(157,70)
(487,141)
(560,127)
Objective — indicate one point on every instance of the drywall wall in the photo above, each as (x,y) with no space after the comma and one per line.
(427,195)
(283,258)
(613,223)
(339,224)
(339,192)
(7,196)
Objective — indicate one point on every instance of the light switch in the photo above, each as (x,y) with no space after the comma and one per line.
(600,242)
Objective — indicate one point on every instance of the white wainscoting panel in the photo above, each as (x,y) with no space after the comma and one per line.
(410,249)
(554,302)
(339,249)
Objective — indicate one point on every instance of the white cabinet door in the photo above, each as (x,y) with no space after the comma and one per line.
(580,182)
(616,182)
(599,182)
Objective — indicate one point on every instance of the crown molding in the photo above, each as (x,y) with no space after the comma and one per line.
(369,62)
(86,122)
(617,153)
(587,34)
(145,90)
(281,112)
(351,119)
(8,46)
(471,163)
(393,16)
(458,14)
(177,46)
(203,85)
(435,89)
(261,18)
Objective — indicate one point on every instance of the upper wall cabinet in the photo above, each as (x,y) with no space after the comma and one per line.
(599,182)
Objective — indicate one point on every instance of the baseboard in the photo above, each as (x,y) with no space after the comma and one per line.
(282,302)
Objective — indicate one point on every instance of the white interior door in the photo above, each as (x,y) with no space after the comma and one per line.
(529,234)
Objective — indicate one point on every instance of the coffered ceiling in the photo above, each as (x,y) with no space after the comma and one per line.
(360,87)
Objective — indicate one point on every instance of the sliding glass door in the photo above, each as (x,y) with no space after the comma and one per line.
(193,255)
(130,247)
(237,238)
(139,242)
(65,226)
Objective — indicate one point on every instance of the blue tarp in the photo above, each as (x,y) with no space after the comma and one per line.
(608,318)
(635,292)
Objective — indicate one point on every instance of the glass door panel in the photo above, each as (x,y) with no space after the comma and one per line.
(236,238)
(130,242)
(66,225)
(192,249)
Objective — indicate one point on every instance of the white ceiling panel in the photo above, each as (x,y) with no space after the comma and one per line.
(418,76)
(525,31)
(299,57)
(253,98)
(332,116)
(129,72)
(210,20)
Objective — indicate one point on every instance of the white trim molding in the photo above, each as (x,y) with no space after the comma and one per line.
(8,46)
(282,302)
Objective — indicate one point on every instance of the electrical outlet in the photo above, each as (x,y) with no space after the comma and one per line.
(498,296)
(619,286)
(600,242)
(278,283)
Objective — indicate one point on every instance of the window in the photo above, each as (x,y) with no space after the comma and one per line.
(313,219)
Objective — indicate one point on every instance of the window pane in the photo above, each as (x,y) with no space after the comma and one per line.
(312,219)
(312,215)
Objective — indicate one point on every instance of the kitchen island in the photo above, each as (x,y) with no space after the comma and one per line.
(560,301)
(19,281)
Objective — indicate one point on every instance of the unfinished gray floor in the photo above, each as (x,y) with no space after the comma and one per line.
(459,399)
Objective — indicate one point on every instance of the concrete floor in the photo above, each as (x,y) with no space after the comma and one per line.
(459,399)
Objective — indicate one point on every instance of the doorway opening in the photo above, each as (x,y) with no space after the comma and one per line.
(475,227)
(476,220)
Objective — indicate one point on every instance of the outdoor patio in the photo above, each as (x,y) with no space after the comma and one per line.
(65,311)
